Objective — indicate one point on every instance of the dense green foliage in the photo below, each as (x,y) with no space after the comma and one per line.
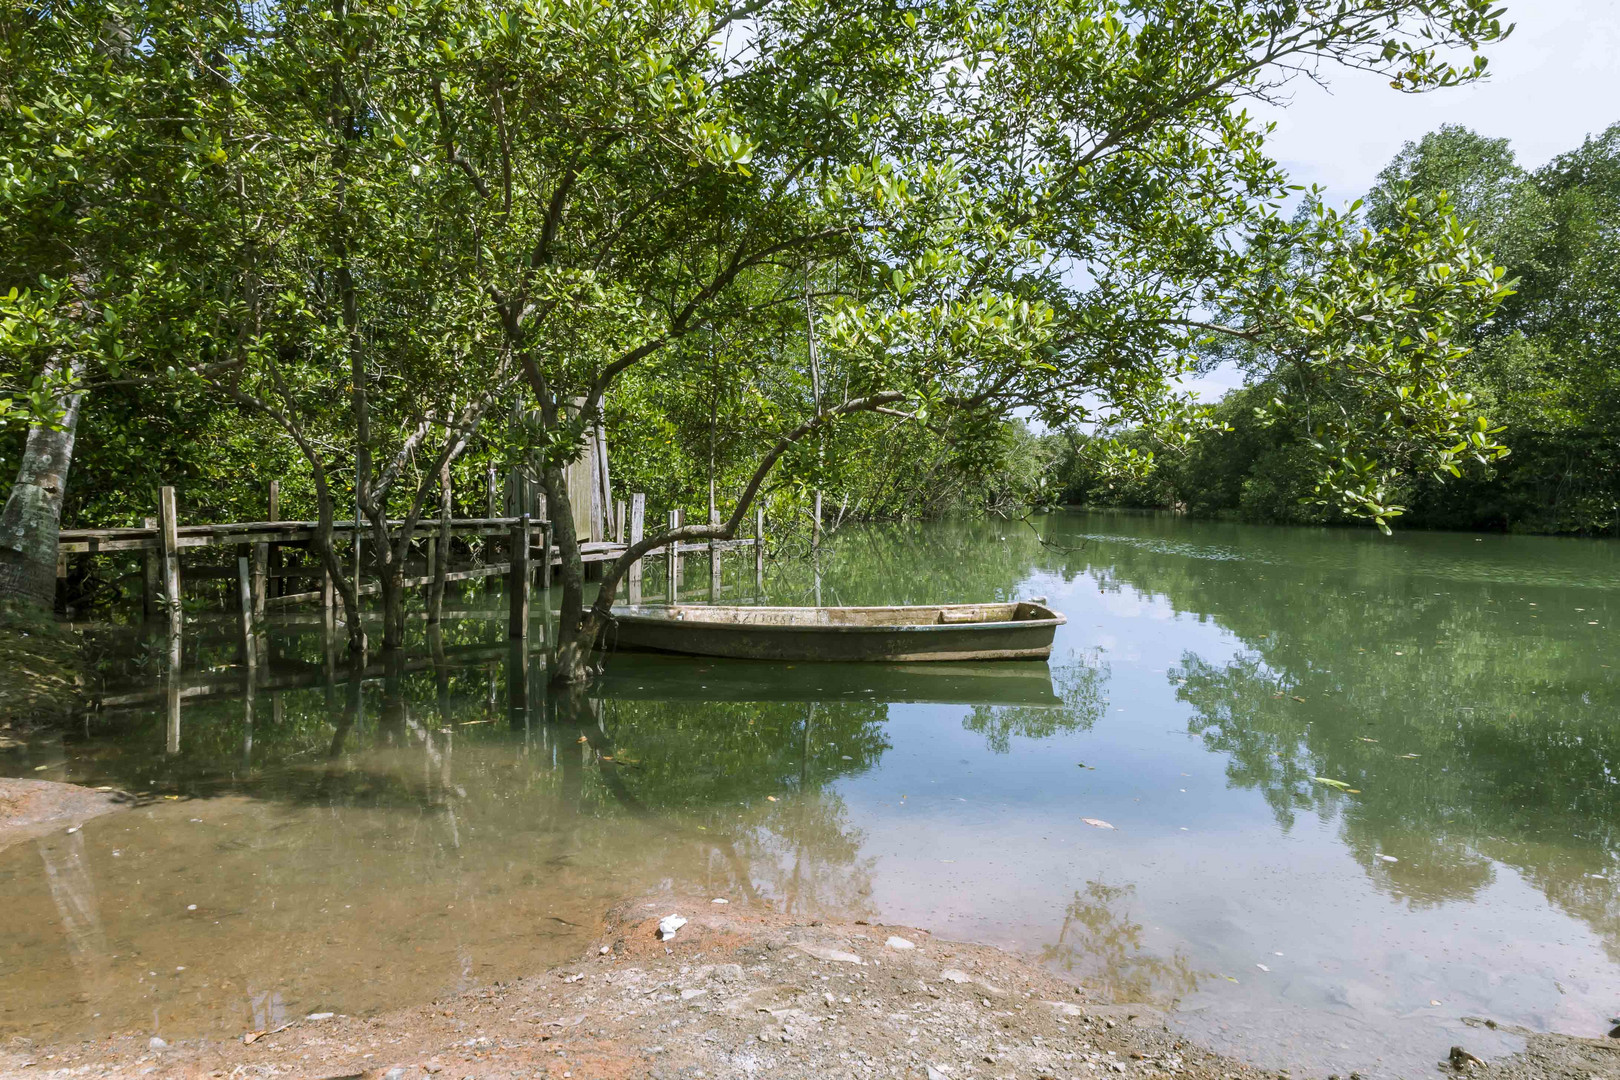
(369,248)
(1546,367)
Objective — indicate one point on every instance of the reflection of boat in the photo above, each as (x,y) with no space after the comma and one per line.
(654,677)
(1012,631)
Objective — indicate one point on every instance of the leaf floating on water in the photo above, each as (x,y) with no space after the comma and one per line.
(1096,823)
(1337,785)
(1365,739)
(1299,699)
(1409,756)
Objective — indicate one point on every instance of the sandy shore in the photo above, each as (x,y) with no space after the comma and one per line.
(738,991)
(741,993)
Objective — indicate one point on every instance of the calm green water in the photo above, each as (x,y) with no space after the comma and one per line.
(355,843)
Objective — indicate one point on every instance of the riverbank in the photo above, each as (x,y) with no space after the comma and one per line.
(739,992)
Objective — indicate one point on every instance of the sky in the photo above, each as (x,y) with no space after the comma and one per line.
(1553,82)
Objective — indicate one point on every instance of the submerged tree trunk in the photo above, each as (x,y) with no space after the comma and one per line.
(32,519)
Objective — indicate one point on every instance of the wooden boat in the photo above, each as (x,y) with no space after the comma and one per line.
(1012,631)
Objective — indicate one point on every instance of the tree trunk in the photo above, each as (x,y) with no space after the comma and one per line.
(348,589)
(32,519)
(576,635)
(392,581)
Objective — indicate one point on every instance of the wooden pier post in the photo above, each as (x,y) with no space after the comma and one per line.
(171,674)
(518,580)
(619,520)
(245,577)
(328,598)
(152,579)
(759,549)
(358,542)
(545,555)
(169,548)
(276,584)
(673,570)
(261,555)
(489,511)
(714,557)
(638,522)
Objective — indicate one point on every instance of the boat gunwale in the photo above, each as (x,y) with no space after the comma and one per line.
(651,617)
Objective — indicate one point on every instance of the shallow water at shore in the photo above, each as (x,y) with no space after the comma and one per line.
(355,843)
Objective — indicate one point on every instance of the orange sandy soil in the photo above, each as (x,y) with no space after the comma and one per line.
(31,808)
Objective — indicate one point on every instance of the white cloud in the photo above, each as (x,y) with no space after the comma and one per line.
(1553,82)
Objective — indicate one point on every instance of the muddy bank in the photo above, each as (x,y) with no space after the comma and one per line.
(32,808)
(739,992)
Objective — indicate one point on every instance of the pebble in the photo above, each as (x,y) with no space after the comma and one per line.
(319,1016)
(155,1043)
(900,943)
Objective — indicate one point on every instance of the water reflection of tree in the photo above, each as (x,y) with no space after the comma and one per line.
(696,754)
(1080,684)
(900,563)
(1102,946)
(1473,731)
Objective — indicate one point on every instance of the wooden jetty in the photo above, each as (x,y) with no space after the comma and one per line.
(263,572)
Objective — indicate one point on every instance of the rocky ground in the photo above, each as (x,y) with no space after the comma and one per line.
(743,993)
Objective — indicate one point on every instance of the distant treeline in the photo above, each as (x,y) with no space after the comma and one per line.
(1546,368)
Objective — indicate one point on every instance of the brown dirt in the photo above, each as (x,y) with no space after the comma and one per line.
(30,808)
(740,992)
